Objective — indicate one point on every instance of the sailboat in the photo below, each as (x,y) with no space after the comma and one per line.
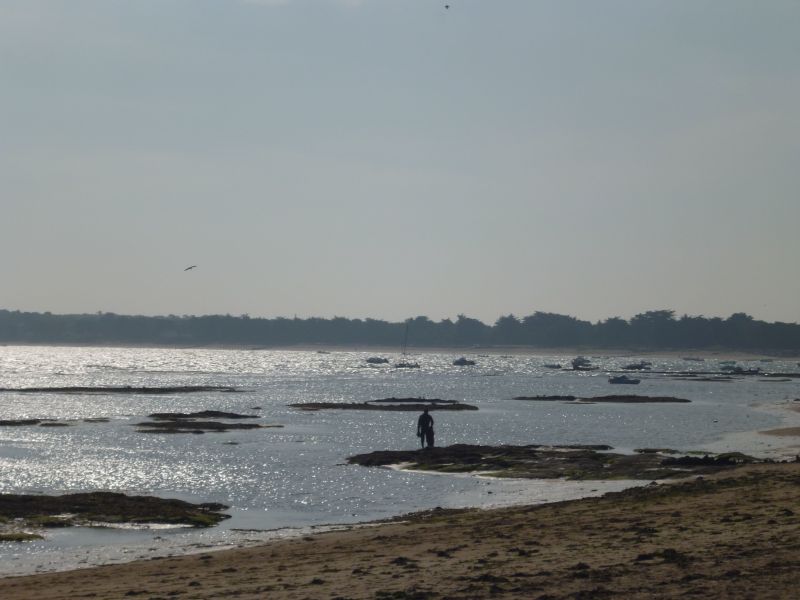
(404,363)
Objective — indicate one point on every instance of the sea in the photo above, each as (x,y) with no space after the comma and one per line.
(294,479)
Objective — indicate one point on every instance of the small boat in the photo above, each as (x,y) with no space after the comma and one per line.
(581,363)
(377,360)
(406,365)
(463,362)
(642,365)
(694,359)
(623,379)
(552,366)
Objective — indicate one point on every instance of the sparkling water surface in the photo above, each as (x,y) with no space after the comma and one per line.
(296,476)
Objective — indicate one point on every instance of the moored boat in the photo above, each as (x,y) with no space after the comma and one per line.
(404,363)
(642,365)
(463,362)
(581,363)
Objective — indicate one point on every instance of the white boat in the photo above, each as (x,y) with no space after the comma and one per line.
(463,362)
(581,363)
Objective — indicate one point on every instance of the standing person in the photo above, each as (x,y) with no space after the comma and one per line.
(425,429)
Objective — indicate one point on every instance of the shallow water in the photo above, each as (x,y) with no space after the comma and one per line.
(295,476)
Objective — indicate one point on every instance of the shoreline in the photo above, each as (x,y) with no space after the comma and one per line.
(730,535)
(533,492)
(143,554)
(565,352)
(123,547)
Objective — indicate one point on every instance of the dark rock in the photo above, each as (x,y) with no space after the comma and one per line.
(623,398)
(188,423)
(542,462)
(181,389)
(635,399)
(545,398)
(186,426)
(389,404)
(727,460)
(204,414)
(112,507)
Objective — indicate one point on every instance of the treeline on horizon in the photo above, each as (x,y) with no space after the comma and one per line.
(657,329)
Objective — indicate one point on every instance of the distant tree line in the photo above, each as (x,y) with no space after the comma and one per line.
(652,330)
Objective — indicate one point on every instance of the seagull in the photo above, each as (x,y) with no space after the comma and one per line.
(190,268)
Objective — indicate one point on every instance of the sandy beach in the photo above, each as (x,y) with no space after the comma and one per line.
(734,535)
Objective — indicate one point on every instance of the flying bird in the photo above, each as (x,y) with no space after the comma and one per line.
(190,268)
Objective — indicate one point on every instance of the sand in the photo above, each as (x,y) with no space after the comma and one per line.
(783,432)
(734,535)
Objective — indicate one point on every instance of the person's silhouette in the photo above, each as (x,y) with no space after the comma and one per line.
(425,429)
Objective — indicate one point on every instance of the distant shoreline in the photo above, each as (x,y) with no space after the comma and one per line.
(565,353)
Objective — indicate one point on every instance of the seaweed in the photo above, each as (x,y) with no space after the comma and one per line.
(69,510)
(415,405)
(125,389)
(550,462)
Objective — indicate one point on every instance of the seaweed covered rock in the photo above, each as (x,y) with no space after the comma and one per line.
(389,404)
(204,414)
(192,423)
(187,426)
(621,398)
(124,389)
(88,508)
(547,462)
(728,459)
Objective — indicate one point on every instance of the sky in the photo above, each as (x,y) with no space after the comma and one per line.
(394,158)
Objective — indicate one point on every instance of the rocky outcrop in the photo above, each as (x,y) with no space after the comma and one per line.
(622,398)
(126,389)
(389,404)
(550,462)
(86,509)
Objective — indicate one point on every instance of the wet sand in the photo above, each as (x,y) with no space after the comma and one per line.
(733,535)
(784,432)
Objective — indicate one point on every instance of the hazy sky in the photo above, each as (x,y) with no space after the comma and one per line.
(391,158)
